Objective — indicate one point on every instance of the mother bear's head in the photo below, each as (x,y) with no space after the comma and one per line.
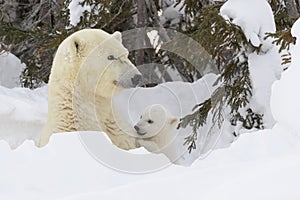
(92,57)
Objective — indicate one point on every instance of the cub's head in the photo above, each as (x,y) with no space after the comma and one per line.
(92,57)
(154,120)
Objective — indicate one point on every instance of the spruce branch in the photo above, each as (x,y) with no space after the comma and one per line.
(284,40)
(229,49)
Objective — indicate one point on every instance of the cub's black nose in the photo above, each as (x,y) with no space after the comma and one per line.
(136,128)
(136,79)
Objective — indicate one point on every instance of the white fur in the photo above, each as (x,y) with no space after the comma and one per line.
(156,131)
(82,83)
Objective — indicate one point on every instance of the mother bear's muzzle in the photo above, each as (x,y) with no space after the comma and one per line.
(136,79)
(131,78)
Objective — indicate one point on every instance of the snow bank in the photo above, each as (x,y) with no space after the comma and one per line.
(10,70)
(285,102)
(255,18)
(262,165)
(23,113)
(264,70)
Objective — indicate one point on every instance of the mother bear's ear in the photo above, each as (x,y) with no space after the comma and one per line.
(117,35)
(75,47)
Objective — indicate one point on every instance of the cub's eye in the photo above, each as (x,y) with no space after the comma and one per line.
(141,117)
(111,57)
(150,121)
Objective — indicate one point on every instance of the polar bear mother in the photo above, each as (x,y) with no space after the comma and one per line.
(89,68)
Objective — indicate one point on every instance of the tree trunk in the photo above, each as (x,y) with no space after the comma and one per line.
(141,14)
(292,8)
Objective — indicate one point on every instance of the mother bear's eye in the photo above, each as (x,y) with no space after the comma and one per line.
(150,121)
(111,57)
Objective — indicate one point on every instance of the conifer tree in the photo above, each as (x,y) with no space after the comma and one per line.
(230,49)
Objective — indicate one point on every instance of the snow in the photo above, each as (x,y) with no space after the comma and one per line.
(154,40)
(76,11)
(262,165)
(10,70)
(286,98)
(255,18)
(296,29)
(177,97)
(265,69)
(23,113)
(171,12)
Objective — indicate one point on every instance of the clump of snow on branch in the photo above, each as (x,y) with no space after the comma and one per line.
(254,17)
(77,10)
(265,66)
(171,12)
(10,70)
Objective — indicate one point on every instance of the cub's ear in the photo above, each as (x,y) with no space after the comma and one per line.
(174,121)
(117,35)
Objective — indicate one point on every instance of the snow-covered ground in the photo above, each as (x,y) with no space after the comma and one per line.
(262,165)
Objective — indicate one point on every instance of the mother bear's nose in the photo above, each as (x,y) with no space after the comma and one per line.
(136,128)
(136,79)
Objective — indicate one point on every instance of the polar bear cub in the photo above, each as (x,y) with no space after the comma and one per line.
(156,131)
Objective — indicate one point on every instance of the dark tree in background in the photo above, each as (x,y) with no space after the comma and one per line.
(33,29)
(28,29)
